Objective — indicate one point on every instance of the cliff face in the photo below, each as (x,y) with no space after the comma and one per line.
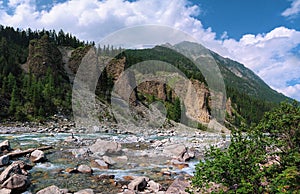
(154,88)
(42,56)
(196,101)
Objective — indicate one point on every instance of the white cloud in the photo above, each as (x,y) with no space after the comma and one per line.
(293,10)
(293,91)
(266,54)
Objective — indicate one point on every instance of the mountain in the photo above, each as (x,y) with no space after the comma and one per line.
(38,68)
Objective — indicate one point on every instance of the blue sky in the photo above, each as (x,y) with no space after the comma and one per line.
(264,35)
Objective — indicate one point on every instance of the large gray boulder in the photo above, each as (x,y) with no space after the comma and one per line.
(9,171)
(16,182)
(37,156)
(108,160)
(85,191)
(5,191)
(84,169)
(178,187)
(175,150)
(102,147)
(51,190)
(138,184)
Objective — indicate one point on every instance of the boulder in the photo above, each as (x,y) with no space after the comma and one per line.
(84,169)
(85,191)
(100,164)
(138,184)
(178,187)
(5,191)
(108,160)
(23,165)
(103,147)
(5,146)
(81,152)
(153,186)
(176,150)
(16,182)
(37,156)
(4,160)
(51,190)
(11,169)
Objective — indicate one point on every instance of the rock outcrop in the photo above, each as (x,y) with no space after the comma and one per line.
(155,88)
(197,101)
(43,55)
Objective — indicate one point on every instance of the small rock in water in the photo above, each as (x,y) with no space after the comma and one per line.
(4,160)
(5,146)
(123,158)
(85,191)
(109,160)
(71,170)
(51,190)
(100,164)
(179,164)
(105,176)
(84,169)
(37,156)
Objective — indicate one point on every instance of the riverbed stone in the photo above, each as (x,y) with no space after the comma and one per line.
(85,191)
(138,184)
(81,152)
(178,186)
(101,164)
(84,169)
(23,165)
(11,169)
(16,182)
(5,146)
(51,190)
(4,160)
(37,156)
(102,147)
(175,150)
(153,186)
(5,191)
(108,160)
(179,164)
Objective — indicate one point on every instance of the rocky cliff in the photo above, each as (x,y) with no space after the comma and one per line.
(43,55)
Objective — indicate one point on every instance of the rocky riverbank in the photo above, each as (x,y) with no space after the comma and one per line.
(109,160)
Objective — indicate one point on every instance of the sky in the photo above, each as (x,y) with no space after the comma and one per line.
(264,35)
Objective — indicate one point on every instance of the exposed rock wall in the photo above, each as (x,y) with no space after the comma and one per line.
(196,101)
(43,55)
(155,88)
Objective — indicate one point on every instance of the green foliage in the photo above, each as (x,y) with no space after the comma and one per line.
(240,167)
(24,96)
(174,110)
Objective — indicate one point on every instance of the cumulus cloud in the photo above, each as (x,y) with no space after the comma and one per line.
(269,55)
(292,91)
(293,10)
